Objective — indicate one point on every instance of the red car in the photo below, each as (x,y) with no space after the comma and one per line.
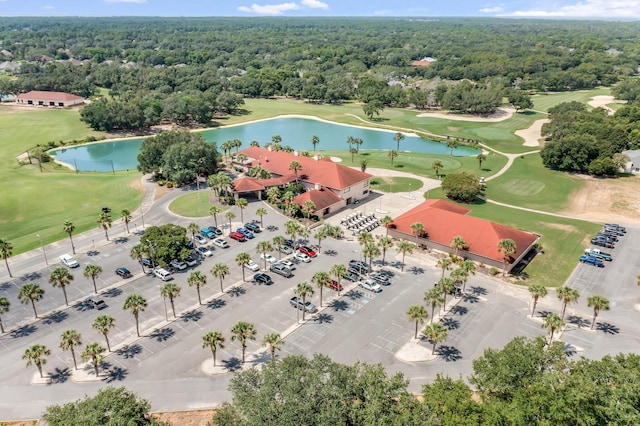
(237,236)
(335,286)
(308,251)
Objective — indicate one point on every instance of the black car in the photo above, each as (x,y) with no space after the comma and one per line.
(602,243)
(613,231)
(608,237)
(262,279)
(253,227)
(215,230)
(359,266)
(289,243)
(123,272)
(616,226)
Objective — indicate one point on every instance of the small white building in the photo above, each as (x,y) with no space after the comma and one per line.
(49,99)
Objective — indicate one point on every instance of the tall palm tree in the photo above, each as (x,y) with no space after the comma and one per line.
(452,144)
(230,216)
(303,290)
(104,324)
(357,142)
(93,271)
(104,222)
(321,280)
(215,211)
(242,204)
(353,152)
(398,137)
(507,247)
(568,295)
(392,154)
(6,250)
(404,247)
(315,141)
(241,260)
(371,251)
(5,305)
(292,229)
(93,353)
(458,244)
(31,293)
(350,141)
(264,247)
(433,298)
(274,194)
(386,221)
(197,279)
(276,139)
(598,303)
(220,271)
(446,286)
(274,342)
(278,241)
(444,262)
(36,355)
(261,212)
(417,229)
(243,331)
(363,165)
(237,143)
(171,290)
(436,333)
(126,217)
(214,341)
(365,238)
(385,243)
(552,323)
(136,304)
(481,158)
(60,278)
(137,253)
(69,227)
(417,314)
(338,271)
(537,291)
(437,166)
(308,207)
(470,268)
(69,339)
(459,277)
(320,235)
(194,228)
(295,167)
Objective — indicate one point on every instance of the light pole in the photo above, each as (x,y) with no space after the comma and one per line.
(43,250)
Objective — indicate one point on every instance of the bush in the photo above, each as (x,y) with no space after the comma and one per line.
(493,271)
(375,181)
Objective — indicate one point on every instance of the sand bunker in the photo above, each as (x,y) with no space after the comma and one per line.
(501,114)
(532,134)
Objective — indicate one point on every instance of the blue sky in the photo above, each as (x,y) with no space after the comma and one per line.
(578,9)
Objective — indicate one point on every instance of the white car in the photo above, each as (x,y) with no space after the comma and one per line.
(289,264)
(268,257)
(178,264)
(302,257)
(370,285)
(221,242)
(200,239)
(252,265)
(204,251)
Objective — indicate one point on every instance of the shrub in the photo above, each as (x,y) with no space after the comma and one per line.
(493,271)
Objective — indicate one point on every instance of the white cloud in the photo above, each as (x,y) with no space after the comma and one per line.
(495,9)
(587,9)
(48,8)
(269,9)
(125,1)
(315,4)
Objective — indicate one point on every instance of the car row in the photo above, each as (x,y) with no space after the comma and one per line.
(608,236)
(591,260)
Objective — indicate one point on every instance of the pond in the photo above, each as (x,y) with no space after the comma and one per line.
(295,132)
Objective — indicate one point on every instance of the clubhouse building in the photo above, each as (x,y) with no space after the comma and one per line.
(49,99)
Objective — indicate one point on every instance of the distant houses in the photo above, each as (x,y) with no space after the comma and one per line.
(425,62)
(49,99)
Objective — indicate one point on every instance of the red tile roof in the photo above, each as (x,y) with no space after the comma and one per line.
(323,171)
(443,221)
(322,198)
(246,184)
(42,95)
(420,63)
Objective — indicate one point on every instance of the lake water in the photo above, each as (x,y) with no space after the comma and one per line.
(295,132)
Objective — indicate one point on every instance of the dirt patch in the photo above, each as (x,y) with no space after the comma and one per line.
(161,190)
(560,226)
(186,418)
(137,185)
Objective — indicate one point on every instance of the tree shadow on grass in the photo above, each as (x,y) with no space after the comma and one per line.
(162,334)
(448,353)
(129,351)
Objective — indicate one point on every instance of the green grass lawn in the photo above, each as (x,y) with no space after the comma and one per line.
(395,184)
(545,101)
(195,204)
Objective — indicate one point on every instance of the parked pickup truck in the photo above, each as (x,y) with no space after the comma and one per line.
(296,302)
(598,254)
(591,261)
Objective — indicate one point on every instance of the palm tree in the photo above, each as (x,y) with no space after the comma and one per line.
(433,297)
(213,340)
(308,207)
(242,203)
(274,194)
(264,247)
(315,141)
(31,292)
(170,290)
(230,216)
(104,222)
(385,243)
(295,167)
(303,290)
(320,235)
(353,152)
(237,143)
(243,331)
(221,270)
(93,353)
(452,144)
(444,262)
(35,355)
(261,212)
(459,276)
(338,271)
(404,247)
(392,154)
(126,217)
(254,143)
(446,286)
(68,340)
(197,279)
(598,303)
(6,250)
(436,333)
(61,277)
(241,260)
(321,279)
(276,139)
(363,165)
(417,229)
(365,238)
(104,323)
(137,253)
(458,244)
(417,314)
(215,211)
(194,228)
(552,323)
(69,227)
(398,137)
(93,271)
(537,291)
(370,250)
(292,229)
(437,166)
(470,268)
(357,142)
(386,221)
(568,295)
(481,158)
(507,247)
(274,342)
(278,241)
(5,305)
(136,304)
